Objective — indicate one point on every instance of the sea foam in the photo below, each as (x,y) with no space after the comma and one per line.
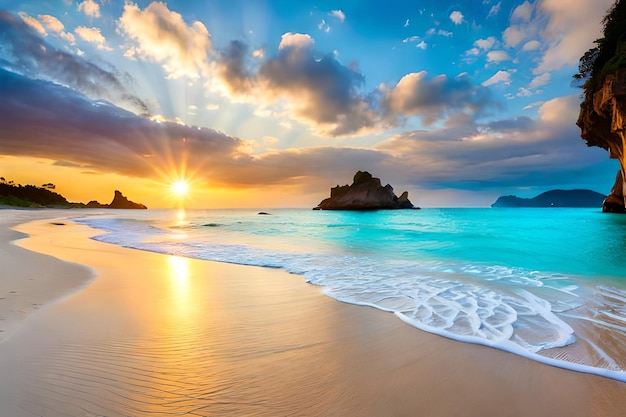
(528,312)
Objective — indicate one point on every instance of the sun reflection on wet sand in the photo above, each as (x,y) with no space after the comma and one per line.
(179,272)
(159,335)
(181,304)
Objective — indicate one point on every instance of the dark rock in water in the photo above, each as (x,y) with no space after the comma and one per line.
(263,213)
(96,204)
(119,202)
(365,193)
(554,198)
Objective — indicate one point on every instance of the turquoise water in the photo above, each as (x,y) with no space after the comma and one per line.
(549,284)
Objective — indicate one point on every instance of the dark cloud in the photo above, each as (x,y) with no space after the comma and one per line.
(435,99)
(318,165)
(62,163)
(521,123)
(232,67)
(320,90)
(43,119)
(47,120)
(517,152)
(25,51)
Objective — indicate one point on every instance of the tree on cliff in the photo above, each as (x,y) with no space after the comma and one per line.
(603,110)
(610,53)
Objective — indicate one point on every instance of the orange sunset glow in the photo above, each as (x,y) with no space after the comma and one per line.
(265,106)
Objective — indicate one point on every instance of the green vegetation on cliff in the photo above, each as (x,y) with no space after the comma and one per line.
(610,53)
(31,196)
(17,195)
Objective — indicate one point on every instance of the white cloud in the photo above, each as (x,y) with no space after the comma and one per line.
(411,39)
(258,53)
(161,35)
(68,37)
(540,80)
(456,17)
(495,9)
(499,77)
(422,45)
(55,25)
(296,40)
(486,44)
(531,46)
(522,12)
(440,32)
(570,31)
(406,24)
(566,28)
(92,35)
(52,22)
(533,105)
(90,8)
(270,140)
(33,23)
(338,14)
(323,26)
(514,35)
(497,56)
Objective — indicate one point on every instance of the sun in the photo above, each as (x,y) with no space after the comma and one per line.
(180,188)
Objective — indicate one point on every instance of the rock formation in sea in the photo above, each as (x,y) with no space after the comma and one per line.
(119,202)
(554,198)
(602,118)
(365,193)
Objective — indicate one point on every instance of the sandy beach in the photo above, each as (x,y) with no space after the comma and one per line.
(158,335)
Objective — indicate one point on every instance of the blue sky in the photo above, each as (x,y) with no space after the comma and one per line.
(457,102)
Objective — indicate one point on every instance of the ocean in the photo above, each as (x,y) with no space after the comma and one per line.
(547,284)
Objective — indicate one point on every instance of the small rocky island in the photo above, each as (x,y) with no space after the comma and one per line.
(365,193)
(554,198)
(119,202)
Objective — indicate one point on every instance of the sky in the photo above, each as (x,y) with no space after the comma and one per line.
(270,103)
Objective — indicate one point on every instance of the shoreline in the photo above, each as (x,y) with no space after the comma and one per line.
(289,347)
(25,288)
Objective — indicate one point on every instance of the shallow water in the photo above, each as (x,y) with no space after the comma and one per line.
(549,284)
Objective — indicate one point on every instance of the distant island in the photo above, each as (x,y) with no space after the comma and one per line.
(30,196)
(365,193)
(554,198)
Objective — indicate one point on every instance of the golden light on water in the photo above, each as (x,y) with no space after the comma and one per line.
(181,215)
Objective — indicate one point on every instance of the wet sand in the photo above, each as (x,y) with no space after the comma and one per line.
(157,335)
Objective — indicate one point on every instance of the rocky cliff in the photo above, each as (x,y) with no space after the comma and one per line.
(602,118)
(602,121)
(365,193)
(119,202)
